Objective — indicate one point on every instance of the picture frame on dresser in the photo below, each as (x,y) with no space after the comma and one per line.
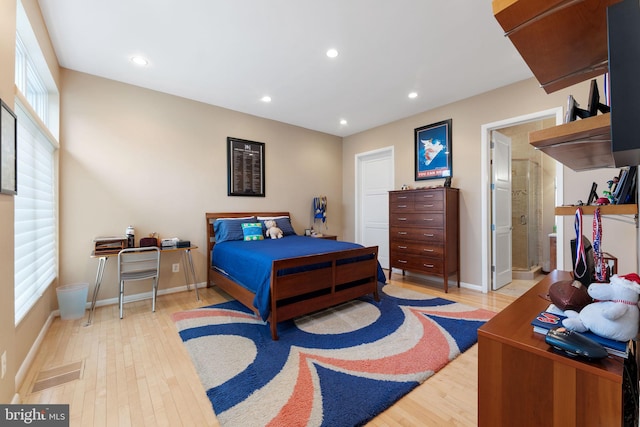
(8,150)
(245,168)
(432,146)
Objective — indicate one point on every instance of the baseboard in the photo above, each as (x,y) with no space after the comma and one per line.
(432,280)
(138,297)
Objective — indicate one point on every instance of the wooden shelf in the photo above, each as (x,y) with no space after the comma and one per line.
(580,145)
(628,209)
(563,42)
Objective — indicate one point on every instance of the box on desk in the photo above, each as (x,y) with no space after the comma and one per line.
(109,245)
(175,243)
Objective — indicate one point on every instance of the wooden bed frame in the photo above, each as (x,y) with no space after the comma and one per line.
(294,295)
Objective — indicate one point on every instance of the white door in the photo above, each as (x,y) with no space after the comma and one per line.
(374,177)
(501,209)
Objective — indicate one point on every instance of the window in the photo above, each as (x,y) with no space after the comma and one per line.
(35,206)
(35,220)
(29,82)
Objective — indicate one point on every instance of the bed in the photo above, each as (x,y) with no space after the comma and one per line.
(280,279)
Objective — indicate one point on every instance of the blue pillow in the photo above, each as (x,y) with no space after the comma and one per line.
(230,228)
(283,222)
(252,231)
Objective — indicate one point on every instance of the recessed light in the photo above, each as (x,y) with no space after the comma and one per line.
(413,95)
(343,122)
(139,60)
(266,98)
(332,53)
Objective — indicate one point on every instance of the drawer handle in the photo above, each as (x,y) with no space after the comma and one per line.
(428,206)
(402,261)
(402,197)
(428,196)
(402,206)
(402,233)
(428,265)
(402,247)
(428,250)
(402,219)
(428,219)
(429,235)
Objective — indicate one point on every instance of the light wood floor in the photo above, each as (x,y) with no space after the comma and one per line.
(138,373)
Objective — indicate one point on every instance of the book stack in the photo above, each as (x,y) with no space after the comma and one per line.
(109,245)
(546,320)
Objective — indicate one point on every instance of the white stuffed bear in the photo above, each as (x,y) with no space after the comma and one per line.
(614,313)
(273,230)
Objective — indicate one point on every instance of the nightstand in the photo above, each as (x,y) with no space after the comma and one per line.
(326,236)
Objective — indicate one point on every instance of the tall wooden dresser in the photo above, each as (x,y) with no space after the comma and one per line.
(424,232)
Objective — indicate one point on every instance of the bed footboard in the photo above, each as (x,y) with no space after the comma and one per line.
(328,279)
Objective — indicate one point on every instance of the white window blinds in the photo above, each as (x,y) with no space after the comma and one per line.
(35,213)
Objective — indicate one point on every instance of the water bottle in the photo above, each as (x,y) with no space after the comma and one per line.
(131,241)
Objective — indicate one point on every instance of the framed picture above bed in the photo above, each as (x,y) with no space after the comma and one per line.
(433,151)
(245,168)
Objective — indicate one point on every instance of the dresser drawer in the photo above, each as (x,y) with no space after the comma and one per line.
(416,248)
(429,205)
(431,236)
(416,263)
(401,202)
(426,219)
(426,196)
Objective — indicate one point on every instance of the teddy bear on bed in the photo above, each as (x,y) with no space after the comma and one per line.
(614,313)
(273,230)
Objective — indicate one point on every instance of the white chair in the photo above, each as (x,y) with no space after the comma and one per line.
(138,264)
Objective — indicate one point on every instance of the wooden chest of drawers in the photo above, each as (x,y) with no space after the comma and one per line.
(424,232)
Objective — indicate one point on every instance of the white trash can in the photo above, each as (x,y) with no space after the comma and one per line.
(72,300)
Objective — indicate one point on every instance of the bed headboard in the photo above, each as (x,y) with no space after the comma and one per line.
(212,216)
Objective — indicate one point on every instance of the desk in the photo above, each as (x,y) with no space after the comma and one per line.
(187,266)
(522,382)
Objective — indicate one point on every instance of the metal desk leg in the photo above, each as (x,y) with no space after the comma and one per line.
(102,261)
(187,262)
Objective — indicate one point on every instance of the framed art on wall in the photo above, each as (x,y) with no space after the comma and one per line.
(433,151)
(8,150)
(245,168)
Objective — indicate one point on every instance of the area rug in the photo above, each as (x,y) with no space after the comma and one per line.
(338,367)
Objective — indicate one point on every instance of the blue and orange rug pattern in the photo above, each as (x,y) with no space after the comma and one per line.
(338,367)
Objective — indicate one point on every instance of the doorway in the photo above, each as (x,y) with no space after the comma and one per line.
(549,190)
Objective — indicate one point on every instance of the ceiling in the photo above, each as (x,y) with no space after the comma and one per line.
(231,53)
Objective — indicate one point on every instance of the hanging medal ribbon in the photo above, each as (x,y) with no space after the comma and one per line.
(579,270)
(598,258)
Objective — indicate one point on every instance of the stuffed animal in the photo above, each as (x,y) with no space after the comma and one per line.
(614,313)
(273,230)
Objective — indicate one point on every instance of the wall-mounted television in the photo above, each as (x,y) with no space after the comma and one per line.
(623,30)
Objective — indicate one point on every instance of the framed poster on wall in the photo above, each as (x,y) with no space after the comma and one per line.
(245,168)
(433,151)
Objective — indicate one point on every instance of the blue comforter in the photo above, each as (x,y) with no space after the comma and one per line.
(248,263)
